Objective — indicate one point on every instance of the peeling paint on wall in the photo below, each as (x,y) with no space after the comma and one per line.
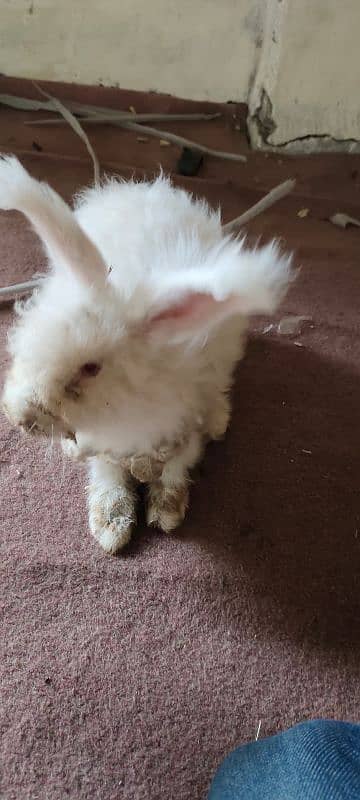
(303,89)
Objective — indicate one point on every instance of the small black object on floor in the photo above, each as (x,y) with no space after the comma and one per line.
(189,162)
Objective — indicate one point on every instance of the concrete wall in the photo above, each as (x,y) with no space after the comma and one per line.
(305,93)
(297,62)
(197,49)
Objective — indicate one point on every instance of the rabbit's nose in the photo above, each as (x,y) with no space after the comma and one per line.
(37,420)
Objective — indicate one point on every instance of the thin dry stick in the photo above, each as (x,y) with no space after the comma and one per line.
(19,288)
(97,112)
(122,120)
(124,116)
(26,104)
(258,730)
(272,197)
(75,125)
(180,141)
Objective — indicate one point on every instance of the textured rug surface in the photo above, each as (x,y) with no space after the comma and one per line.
(130,678)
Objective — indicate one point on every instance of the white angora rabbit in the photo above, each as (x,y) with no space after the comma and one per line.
(127,350)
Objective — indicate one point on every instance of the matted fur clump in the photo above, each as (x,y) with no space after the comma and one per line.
(126,351)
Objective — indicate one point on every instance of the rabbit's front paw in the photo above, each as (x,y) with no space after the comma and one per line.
(112,515)
(167,506)
(219,417)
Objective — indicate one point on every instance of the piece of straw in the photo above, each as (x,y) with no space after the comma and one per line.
(75,125)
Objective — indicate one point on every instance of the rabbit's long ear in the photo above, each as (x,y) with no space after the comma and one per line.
(237,281)
(66,243)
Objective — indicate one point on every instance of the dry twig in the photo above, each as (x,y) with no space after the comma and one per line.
(19,288)
(272,197)
(110,118)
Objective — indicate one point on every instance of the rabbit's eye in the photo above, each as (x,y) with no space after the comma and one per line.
(75,386)
(90,370)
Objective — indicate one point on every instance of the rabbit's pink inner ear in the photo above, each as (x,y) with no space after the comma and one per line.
(193,306)
(195,310)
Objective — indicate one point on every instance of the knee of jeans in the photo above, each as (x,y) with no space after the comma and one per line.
(316,727)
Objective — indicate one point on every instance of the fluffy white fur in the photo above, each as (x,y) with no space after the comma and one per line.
(129,346)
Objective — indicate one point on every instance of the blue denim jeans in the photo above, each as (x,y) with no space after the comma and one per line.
(317,760)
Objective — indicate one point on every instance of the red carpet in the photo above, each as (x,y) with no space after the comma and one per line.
(130,678)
